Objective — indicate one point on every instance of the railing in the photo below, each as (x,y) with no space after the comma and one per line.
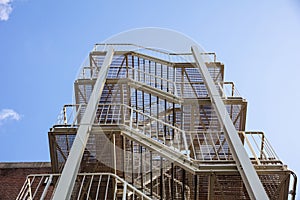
(88,186)
(89,72)
(199,145)
(105,186)
(121,114)
(158,53)
(208,146)
(90,67)
(157,129)
(70,114)
(177,187)
(228,89)
(213,146)
(189,89)
(259,148)
(153,80)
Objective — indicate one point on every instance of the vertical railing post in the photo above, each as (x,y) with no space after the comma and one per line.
(124,191)
(65,114)
(46,187)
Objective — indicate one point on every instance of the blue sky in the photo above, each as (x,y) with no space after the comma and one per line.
(43,43)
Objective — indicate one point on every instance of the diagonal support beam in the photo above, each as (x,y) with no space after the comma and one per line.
(250,178)
(69,174)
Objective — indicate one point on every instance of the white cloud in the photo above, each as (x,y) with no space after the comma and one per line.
(5,9)
(5,1)
(6,114)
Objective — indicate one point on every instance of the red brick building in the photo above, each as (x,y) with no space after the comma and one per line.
(13,176)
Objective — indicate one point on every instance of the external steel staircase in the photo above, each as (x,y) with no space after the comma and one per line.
(157,125)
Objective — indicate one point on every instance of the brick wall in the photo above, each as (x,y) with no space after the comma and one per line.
(13,176)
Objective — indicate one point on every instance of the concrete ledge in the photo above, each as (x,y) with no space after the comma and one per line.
(11,165)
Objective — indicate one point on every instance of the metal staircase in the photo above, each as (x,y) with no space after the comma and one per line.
(147,120)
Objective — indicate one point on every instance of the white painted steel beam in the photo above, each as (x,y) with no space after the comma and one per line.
(67,180)
(250,178)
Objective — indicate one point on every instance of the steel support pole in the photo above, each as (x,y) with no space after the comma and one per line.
(67,180)
(250,178)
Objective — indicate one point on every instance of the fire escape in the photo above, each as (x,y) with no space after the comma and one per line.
(149,124)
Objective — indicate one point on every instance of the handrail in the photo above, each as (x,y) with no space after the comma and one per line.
(257,145)
(152,49)
(40,190)
(294,188)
